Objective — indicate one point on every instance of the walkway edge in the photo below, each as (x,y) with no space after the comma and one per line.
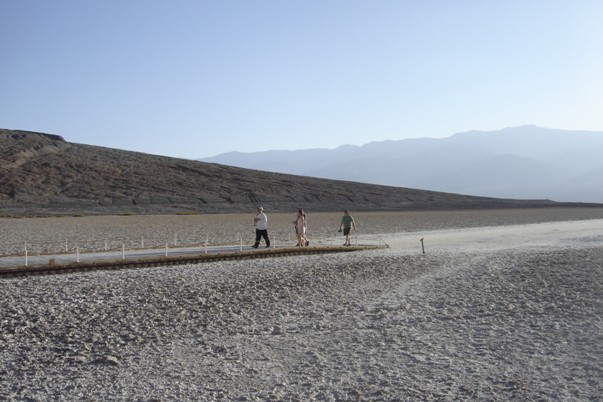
(176,260)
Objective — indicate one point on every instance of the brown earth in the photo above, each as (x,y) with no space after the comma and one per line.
(44,175)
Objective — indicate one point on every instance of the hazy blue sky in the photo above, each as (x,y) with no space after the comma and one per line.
(198,78)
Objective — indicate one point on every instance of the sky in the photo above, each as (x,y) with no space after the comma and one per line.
(197,78)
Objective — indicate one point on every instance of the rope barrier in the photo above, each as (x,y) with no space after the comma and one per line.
(30,249)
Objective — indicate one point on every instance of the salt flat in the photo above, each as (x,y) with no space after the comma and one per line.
(563,234)
(96,232)
(488,313)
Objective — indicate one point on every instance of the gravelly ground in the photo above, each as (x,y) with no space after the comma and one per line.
(499,322)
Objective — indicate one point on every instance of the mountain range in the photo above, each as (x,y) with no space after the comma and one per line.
(44,175)
(526,162)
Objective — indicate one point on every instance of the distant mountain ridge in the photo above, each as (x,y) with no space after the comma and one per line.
(526,162)
(43,174)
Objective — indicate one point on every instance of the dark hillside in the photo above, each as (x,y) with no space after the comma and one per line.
(42,174)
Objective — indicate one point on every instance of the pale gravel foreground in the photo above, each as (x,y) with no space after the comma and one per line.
(509,313)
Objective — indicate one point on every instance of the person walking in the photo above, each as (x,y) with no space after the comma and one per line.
(347,223)
(261,228)
(300,228)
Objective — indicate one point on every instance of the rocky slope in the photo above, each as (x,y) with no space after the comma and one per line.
(42,174)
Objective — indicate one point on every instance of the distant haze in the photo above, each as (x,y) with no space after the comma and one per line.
(526,162)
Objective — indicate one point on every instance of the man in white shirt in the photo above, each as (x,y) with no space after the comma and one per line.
(261,227)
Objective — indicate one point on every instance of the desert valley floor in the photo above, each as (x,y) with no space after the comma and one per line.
(504,305)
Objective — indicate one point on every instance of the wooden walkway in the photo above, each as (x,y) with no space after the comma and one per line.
(13,266)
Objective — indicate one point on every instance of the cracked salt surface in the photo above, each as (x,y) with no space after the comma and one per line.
(508,313)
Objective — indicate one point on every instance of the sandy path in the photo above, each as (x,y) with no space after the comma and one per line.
(492,313)
(561,234)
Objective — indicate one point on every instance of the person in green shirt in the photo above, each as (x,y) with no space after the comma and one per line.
(347,223)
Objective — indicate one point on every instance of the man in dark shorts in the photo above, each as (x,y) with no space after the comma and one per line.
(261,228)
(347,223)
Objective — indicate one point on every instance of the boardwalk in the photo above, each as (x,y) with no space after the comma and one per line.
(68,262)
